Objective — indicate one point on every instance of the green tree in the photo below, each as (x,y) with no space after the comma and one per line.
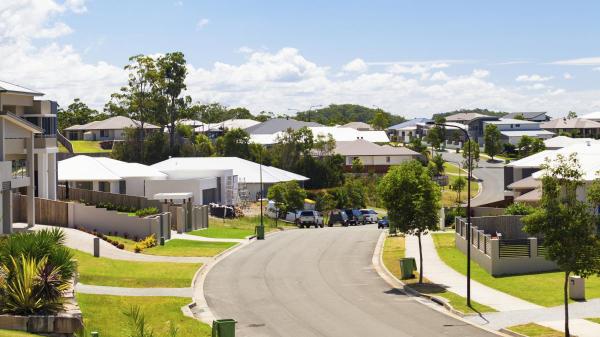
(234,143)
(172,73)
(78,113)
(356,193)
(417,145)
(458,185)
(474,149)
(345,113)
(412,200)
(520,117)
(380,121)
(572,114)
(357,165)
(437,165)
(566,223)
(529,145)
(519,208)
(492,142)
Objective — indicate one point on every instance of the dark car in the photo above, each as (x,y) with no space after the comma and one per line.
(383,223)
(337,216)
(355,217)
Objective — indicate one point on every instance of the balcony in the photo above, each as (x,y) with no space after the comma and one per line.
(14,172)
(44,141)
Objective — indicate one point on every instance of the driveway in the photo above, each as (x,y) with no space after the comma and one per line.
(491,175)
(319,282)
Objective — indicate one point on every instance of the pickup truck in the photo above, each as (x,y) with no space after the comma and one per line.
(369,215)
(310,218)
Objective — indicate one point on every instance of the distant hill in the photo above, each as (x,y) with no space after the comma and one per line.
(479,111)
(345,113)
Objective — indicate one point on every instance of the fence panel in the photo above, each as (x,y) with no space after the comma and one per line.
(95,197)
(514,248)
(47,212)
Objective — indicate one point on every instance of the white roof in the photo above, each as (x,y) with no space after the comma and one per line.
(535,160)
(564,141)
(85,168)
(228,124)
(530,133)
(247,171)
(340,134)
(588,155)
(510,121)
(112,123)
(592,115)
(9,87)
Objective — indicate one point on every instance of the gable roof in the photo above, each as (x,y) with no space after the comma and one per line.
(112,123)
(278,124)
(570,123)
(361,147)
(20,122)
(86,168)
(564,141)
(410,123)
(465,116)
(358,126)
(592,115)
(526,115)
(17,89)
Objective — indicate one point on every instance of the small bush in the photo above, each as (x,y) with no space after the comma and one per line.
(126,235)
(137,248)
(121,246)
(149,242)
(519,208)
(115,243)
(147,211)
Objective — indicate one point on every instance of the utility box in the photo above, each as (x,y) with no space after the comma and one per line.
(577,288)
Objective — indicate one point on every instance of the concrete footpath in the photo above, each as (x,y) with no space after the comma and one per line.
(120,291)
(511,310)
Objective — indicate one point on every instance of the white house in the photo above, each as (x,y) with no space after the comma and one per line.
(339,133)
(374,158)
(512,130)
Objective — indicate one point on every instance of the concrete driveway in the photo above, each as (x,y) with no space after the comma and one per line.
(491,175)
(319,282)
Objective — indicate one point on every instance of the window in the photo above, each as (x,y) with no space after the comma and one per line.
(387,159)
(49,125)
(84,185)
(104,186)
(103,133)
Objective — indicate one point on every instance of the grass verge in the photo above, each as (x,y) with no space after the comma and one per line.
(595,320)
(238,228)
(105,314)
(85,146)
(535,330)
(118,273)
(393,250)
(548,290)
(178,247)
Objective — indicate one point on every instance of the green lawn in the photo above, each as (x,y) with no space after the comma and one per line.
(105,315)
(393,250)
(14,333)
(177,247)
(119,273)
(449,197)
(535,330)
(238,228)
(84,146)
(595,320)
(548,289)
(451,168)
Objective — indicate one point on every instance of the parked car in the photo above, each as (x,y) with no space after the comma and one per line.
(355,217)
(383,223)
(369,215)
(337,216)
(310,218)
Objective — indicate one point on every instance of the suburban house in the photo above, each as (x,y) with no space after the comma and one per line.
(112,128)
(214,130)
(21,102)
(534,116)
(339,133)
(360,126)
(406,131)
(577,127)
(235,179)
(474,123)
(512,130)
(275,125)
(559,142)
(374,158)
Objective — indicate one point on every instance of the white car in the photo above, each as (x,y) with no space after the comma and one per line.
(310,218)
(369,215)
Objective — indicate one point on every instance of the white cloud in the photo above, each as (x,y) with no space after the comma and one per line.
(533,78)
(585,61)
(480,73)
(245,50)
(356,66)
(77,6)
(567,76)
(439,76)
(202,23)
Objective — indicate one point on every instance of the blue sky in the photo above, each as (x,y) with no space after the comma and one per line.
(497,55)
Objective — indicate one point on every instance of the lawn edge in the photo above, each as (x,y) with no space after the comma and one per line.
(397,284)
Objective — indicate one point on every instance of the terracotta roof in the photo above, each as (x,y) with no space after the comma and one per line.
(525,184)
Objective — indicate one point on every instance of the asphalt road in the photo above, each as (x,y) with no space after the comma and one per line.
(491,175)
(319,282)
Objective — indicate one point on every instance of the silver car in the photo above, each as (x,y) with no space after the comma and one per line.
(369,215)
(310,218)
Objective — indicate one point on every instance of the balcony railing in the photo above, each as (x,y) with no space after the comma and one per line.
(19,168)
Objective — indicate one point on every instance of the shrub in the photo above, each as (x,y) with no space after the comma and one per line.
(126,235)
(519,208)
(121,246)
(149,242)
(115,243)
(147,211)
(451,213)
(137,248)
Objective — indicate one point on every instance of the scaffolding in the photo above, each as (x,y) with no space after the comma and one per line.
(243,195)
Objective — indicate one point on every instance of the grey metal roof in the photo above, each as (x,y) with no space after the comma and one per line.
(278,124)
(361,147)
(411,122)
(112,123)
(526,115)
(10,87)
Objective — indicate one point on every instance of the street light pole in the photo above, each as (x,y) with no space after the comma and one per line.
(311,107)
(262,225)
(469,177)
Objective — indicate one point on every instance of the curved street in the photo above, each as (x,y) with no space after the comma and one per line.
(319,282)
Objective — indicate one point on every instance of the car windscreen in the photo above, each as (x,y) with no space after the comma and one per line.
(306,214)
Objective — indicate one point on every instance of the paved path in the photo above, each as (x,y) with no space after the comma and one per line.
(184,236)
(83,241)
(120,291)
(319,282)
(438,272)
(491,175)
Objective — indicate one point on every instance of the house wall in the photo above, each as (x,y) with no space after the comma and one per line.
(378,160)
(194,186)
